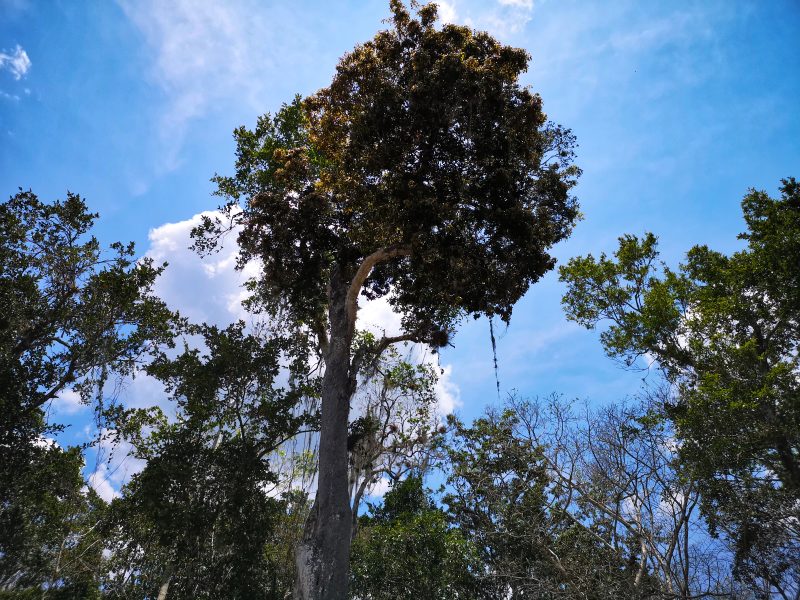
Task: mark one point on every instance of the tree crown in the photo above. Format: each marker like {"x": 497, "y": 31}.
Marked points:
{"x": 424, "y": 148}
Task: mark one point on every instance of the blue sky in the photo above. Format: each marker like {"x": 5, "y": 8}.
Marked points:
{"x": 678, "y": 108}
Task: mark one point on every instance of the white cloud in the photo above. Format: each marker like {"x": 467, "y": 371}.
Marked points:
{"x": 503, "y": 18}
{"x": 210, "y": 290}
{"x": 200, "y": 54}
{"x": 45, "y": 442}
{"x": 211, "y": 56}
{"x": 204, "y": 289}
{"x": 447, "y": 393}
{"x": 378, "y": 317}
{"x": 68, "y": 402}
{"x": 100, "y": 483}
{"x": 379, "y": 488}
{"x": 447, "y": 11}
{"x": 15, "y": 61}
{"x": 526, "y": 4}
{"x": 114, "y": 465}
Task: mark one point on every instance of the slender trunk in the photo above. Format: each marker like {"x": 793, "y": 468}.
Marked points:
{"x": 323, "y": 555}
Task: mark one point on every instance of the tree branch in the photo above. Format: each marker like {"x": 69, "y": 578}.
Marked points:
{"x": 363, "y": 272}
{"x": 383, "y": 344}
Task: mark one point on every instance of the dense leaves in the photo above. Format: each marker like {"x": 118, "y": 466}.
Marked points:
{"x": 70, "y": 314}
{"x": 405, "y": 549}
{"x": 199, "y": 520}
{"x": 424, "y": 143}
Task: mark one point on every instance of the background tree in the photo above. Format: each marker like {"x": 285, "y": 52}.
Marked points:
{"x": 620, "y": 481}
{"x": 397, "y": 431}
{"x": 564, "y": 503}
{"x": 405, "y": 549}
{"x": 724, "y": 331}
{"x": 52, "y": 541}
{"x": 198, "y": 521}
{"x": 424, "y": 172}
{"x": 498, "y": 501}
{"x": 70, "y": 314}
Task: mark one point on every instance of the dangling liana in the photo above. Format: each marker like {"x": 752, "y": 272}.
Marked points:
{"x": 494, "y": 355}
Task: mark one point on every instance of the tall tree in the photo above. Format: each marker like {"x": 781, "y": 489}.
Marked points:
{"x": 724, "y": 330}
{"x": 424, "y": 172}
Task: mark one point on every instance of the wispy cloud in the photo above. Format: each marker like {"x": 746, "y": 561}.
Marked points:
{"x": 200, "y": 54}
{"x": 212, "y": 58}
{"x": 502, "y": 18}
{"x": 209, "y": 56}
{"x": 15, "y": 61}
{"x": 527, "y": 4}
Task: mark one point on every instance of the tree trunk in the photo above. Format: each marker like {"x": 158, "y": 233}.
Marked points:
{"x": 323, "y": 556}
{"x": 162, "y": 591}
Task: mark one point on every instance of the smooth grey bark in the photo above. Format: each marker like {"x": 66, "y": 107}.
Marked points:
{"x": 323, "y": 556}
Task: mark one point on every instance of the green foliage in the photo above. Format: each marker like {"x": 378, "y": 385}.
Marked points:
{"x": 424, "y": 143}
{"x": 498, "y": 500}
{"x": 69, "y": 315}
{"x": 406, "y": 550}
{"x": 532, "y": 541}
{"x": 725, "y": 331}
{"x": 198, "y": 516}
{"x": 69, "y": 311}
{"x": 48, "y": 527}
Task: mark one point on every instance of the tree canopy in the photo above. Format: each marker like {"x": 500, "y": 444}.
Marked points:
{"x": 70, "y": 314}
{"x": 425, "y": 147}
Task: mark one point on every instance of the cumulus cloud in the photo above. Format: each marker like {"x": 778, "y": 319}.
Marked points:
{"x": 68, "y": 402}
{"x": 45, "y": 442}
{"x": 100, "y": 483}
{"x": 204, "y": 289}
{"x": 209, "y": 289}
{"x": 15, "y": 61}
